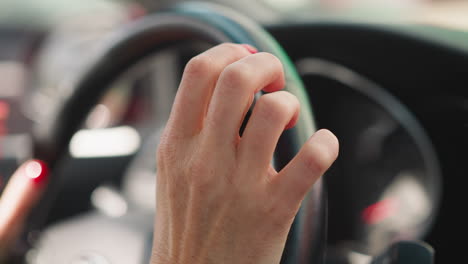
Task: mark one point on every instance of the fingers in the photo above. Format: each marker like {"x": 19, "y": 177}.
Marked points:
{"x": 20, "y": 195}
{"x": 198, "y": 81}
{"x": 271, "y": 115}
{"x": 234, "y": 93}
{"x": 314, "y": 158}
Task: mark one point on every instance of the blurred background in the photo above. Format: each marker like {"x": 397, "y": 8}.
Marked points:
{"x": 449, "y": 13}
{"x": 46, "y": 44}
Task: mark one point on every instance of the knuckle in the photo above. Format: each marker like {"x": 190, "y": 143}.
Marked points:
{"x": 277, "y": 107}
{"x": 198, "y": 66}
{"x": 232, "y": 48}
{"x": 318, "y": 158}
{"x": 272, "y": 60}
{"x": 286, "y": 101}
{"x": 237, "y": 76}
{"x": 274, "y": 65}
{"x": 204, "y": 63}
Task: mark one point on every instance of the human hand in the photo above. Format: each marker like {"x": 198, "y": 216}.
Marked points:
{"x": 24, "y": 189}
{"x": 219, "y": 200}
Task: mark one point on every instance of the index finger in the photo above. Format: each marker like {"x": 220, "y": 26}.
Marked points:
{"x": 197, "y": 85}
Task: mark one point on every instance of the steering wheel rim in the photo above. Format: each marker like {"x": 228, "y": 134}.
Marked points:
{"x": 193, "y": 21}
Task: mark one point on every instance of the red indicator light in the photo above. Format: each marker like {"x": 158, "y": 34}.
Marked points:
{"x": 36, "y": 170}
{"x": 379, "y": 211}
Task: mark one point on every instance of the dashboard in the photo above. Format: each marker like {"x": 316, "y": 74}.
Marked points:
{"x": 395, "y": 96}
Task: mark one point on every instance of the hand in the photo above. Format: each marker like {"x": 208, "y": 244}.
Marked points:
{"x": 20, "y": 195}
{"x": 218, "y": 198}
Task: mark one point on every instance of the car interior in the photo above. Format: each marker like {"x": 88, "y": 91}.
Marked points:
{"x": 88, "y": 86}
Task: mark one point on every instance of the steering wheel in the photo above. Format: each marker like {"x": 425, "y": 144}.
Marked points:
{"x": 188, "y": 22}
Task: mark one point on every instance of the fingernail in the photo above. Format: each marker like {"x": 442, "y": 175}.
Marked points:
{"x": 250, "y": 48}
{"x": 289, "y": 125}
{"x": 36, "y": 170}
